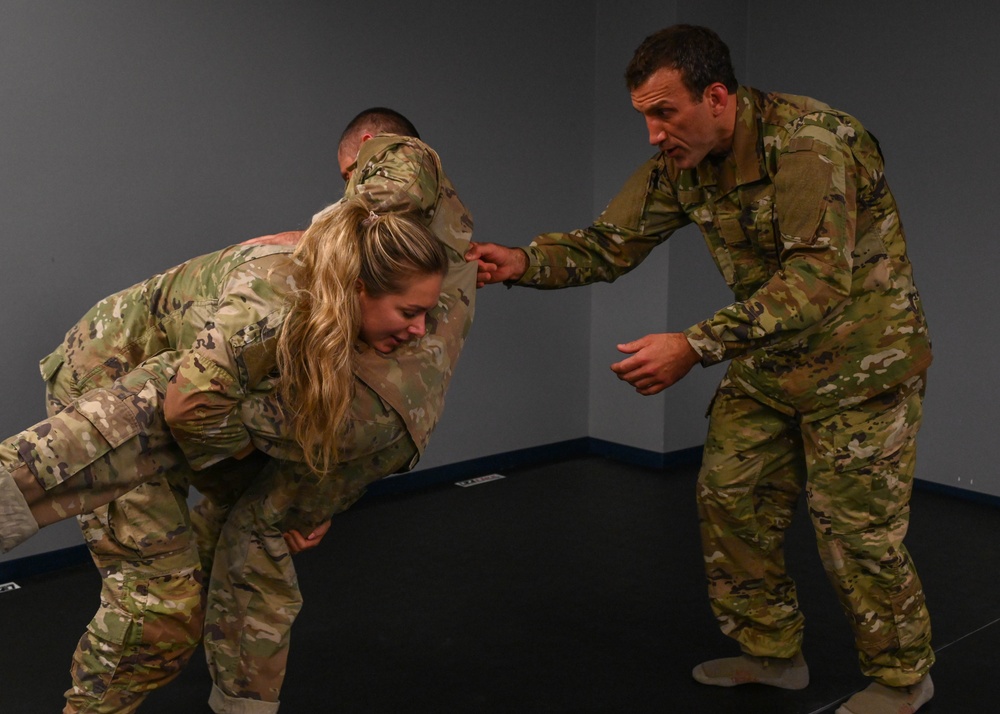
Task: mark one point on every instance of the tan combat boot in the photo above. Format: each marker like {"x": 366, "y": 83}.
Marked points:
{"x": 880, "y": 699}
{"x": 746, "y": 669}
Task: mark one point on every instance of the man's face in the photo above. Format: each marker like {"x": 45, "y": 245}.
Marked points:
{"x": 387, "y": 321}
{"x": 685, "y": 130}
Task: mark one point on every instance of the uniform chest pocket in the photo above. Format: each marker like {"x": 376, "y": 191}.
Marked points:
{"x": 253, "y": 348}
{"x": 757, "y": 219}
{"x": 746, "y": 225}
{"x": 696, "y": 205}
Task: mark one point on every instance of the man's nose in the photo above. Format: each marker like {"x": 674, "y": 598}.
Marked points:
{"x": 657, "y": 134}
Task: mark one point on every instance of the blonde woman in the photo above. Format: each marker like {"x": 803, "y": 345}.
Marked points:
{"x": 151, "y": 383}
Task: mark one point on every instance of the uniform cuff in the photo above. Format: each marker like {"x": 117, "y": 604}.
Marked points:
{"x": 222, "y": 703}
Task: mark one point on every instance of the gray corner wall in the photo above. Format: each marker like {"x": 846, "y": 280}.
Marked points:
{"x": 135, "y": 134}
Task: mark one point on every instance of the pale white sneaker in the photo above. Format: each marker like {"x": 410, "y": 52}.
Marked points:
{"x": 746, "y": 669}
{"x": 880, "y": 699}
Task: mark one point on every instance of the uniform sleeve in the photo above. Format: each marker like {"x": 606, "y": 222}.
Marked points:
{"x": 815, "y": 203}
{"x": 397, "y": 174}
{"x": 403, "y": 173}
{"x": 643, "y": 214}
{"x": 231, "y": 355}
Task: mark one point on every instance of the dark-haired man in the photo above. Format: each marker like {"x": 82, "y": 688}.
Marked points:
{"x": 827, "y": 344}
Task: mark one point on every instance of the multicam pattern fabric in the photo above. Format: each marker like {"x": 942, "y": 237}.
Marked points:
{"x": 801, "y": 223}
{"x": 857, "y": 471}
{"x": 399, "y": 172}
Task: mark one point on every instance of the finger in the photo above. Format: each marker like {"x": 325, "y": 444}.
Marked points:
{"x": 652, "y": 389}
{"x": 626, "y": 366}
{"x": 632, "y": 347}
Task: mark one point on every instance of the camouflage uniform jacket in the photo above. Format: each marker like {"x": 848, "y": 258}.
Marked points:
{"x": 208, "y": 328}
{"x": 204, "y": 328}
{"x": 398, "y": 173}
{"x": 801, "y": 223}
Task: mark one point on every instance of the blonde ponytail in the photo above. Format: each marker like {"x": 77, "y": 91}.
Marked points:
{"x": 346, "y": 243}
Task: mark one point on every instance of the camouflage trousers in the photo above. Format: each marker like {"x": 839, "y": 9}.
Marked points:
{"x": 857, "y": 470}
{"x": 150, "y": 617}
{"x": 253, "y": 596}
{"x": 149, "y": 621}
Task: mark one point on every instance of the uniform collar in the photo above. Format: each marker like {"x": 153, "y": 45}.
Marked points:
{"x": 744, "y": 162}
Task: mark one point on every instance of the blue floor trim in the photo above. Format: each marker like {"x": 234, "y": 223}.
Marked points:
{"x": 956, "y": 492}
{"x": 641, "y": 457}
{"x": 450, "y": 473}
{"x": 537, "y": 455}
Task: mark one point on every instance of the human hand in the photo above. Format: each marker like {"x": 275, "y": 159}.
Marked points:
{"x": 497, "y": 263}
{"x": 286, "y": 238}
{"x": 657, "y": 361}
{"x": 297, "y": 542}
{"x": 244, "y": 452}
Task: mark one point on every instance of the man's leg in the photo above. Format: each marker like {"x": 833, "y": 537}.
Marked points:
{"x": 750, "y": 480}
{"x": 103, "y": 445}
{"x": 151, "y": 613}
{"x": 253, "y": 599}
{"x": 861, "y": 465}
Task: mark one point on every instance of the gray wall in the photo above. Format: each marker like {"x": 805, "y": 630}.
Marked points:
{"x": 135, "y": 134}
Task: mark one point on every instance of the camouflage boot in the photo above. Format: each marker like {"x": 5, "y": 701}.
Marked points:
{"x": 746, "y": 669}
{"x": 16, "y": 522}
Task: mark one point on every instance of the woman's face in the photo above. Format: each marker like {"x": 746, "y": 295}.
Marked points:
{"x": 387, "y": 321}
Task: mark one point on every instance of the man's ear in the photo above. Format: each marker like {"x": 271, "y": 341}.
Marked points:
{"x": 717, "y": 97}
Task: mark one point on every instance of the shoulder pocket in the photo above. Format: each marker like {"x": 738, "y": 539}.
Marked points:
{"x": 50, "y": 365}
{"x": 804, "y": 188}
{"x": 628, "y": 208}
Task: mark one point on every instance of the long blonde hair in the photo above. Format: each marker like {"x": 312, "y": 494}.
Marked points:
{"x": 346, "y": 243}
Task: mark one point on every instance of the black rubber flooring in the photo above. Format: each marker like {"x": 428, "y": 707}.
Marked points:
{"x": 569, "y": 588}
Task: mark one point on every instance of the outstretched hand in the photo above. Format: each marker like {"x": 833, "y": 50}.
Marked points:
{"x": 497, "y": 263}
{"x": 297, "y": 542}
{"x": 657, "y": 361}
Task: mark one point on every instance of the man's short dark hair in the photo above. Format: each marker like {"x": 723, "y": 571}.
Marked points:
{"x": 380, "y": 120}
{"x": 697, "y": 52}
